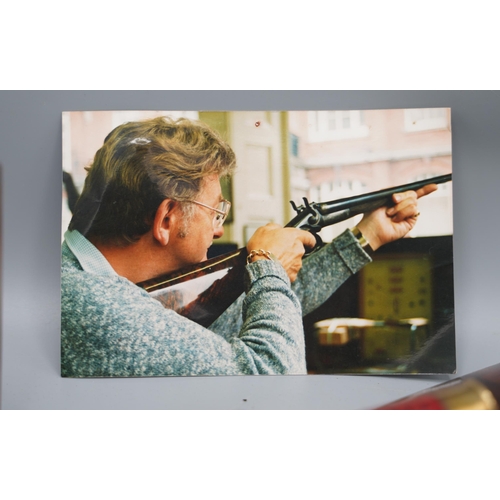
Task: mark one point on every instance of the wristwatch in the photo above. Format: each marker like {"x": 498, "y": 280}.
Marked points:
{"x": 365, "y": 244}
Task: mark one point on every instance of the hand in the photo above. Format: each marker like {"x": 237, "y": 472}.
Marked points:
{"x": 389, "y": 224}
{"x": 287, "y": 244}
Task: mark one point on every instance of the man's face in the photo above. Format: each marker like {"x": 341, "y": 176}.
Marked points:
{"x": 191, "y": 240}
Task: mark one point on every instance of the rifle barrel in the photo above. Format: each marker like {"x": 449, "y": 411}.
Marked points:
{"x": 375, "y": 196}
{"x": 314, "y": 216}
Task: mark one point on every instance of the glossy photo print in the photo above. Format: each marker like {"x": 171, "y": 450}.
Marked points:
{"x": 257, "y": 243}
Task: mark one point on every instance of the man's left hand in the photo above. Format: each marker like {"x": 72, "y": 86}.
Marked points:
{"x": 389, "y": 224}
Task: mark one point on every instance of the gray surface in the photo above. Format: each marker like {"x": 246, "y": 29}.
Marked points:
{"x": 30, "y": 155}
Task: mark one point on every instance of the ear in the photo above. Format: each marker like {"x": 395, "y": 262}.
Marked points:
{"x": 163, "y": 222}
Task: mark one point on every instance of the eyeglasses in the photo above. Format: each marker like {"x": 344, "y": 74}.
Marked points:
{"x": 222, "y": 211}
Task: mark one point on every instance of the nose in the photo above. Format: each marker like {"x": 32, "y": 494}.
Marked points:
{"x": 218, "y": 232}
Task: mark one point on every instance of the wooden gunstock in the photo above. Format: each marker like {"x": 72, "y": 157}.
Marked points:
{"x": 202, "y": 292}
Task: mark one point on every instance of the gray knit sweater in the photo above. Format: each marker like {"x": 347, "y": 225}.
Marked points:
{"x": 112, "y": 328}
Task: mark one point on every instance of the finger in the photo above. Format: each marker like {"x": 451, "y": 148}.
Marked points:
{"x": 307, "y": 239}
{"x": 399, "y": 197}
{"x": 430, "y": 188}
{"x": 403, "y": 201}
{"x": 405, "y": 213}
{"x": 405, "y": 209}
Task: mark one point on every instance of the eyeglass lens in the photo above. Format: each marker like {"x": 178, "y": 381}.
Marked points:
{"x": 219, "y": 218}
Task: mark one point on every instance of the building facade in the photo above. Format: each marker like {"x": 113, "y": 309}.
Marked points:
{"x": 336, "y": 154}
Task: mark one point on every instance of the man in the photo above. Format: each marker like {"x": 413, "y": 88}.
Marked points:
{"x": 152, "y": 204}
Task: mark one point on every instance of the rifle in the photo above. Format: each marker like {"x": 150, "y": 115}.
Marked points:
{"x": 202, "y": 292}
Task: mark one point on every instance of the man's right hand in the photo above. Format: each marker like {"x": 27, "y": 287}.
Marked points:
{"x": 287, "y": 244}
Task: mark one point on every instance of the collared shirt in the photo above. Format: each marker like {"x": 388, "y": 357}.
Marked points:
{"x": 87, "y": 254}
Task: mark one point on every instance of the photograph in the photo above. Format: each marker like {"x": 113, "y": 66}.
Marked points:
{"x": 288, "y": 242}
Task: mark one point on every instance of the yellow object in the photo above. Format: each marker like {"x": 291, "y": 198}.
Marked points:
{"x": 395, "y": 287}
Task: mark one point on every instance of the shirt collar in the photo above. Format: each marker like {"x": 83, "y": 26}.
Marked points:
{"x": 87, "y": 254}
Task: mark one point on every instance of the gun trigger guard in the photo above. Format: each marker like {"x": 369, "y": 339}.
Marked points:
{"x": 315, "y": 248}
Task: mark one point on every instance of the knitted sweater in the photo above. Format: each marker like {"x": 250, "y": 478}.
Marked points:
{"x": 112, "y": 328}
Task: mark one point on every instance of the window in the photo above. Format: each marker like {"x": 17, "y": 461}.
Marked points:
{"x": 336, "y": 125}
{"x": 294, "y": 145}
{"x": 340, "y": 188}
{"x": 442, "y": 190}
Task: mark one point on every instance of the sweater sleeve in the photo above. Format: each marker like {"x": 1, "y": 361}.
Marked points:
{"x": 111, "y": 328}
{"x": 321, "y": 275}
{"x": 325, "y": 270}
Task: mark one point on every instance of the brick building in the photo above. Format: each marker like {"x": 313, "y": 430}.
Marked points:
{"x": 335, "y": 154}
